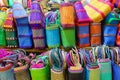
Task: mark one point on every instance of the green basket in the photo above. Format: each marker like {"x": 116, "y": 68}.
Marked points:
{"x": 68, "y": 37}
{"x": 40, "y": 73}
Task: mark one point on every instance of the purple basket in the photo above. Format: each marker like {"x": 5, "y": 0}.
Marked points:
{"x": 81, "y": 13}
{"x": 37, "y": 18}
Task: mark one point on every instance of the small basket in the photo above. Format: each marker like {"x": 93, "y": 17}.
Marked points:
{"x": 68, "y": 37}
{"x": 22, "y": 73}
{"x": 83, "y": 34}
{"x": 95, "y": 32}
{"x": 67, "y": 15}
{"x": 81, "y": 13}
{"x": 25, "y": 41}
{"x": 109, "y": 34}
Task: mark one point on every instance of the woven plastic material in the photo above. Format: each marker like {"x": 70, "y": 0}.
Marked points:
{"x": 53, "y": 36}
{"x": 40, "y": 73}
{"x": 112, "y": 18}
{"x": 39, "y": 38}
{"x": 3, "y": 16}
{"x": 22, "y": 73}
{"x": 81, "y": 13}
{"x": 99, "y": 8}
{"x": 118, "y": 36}
{"x": 37, "y": 18}
{"x": 2, "y": 37}
{"x": 105, "y": 71}
{"x": 92, "y": 74}
{"x": 109, "y": 33}
{"x": 68, "y": 37}
{"x": 95, "y": 32}
{"x": 67, "y": 15}
{"x": 83, "y": 34}
{"x": 57, "y": 75}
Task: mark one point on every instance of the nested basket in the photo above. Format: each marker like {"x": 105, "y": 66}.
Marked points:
{"x": 95, "y": 32}
{"x": 109, "y": 34}
{"x": 7, "y": 72}
{"x": 67, "y": 15}
{"x": 83, "y": 36}
{"x": 68, "y": 37}
{"x": 39, "y": 38}
{"x": 81, "y": 13}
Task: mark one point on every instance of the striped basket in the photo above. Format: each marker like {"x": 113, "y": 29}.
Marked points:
{"x": 95, "y": 32}
{"x": 83, "y": 34}
{"x": 109, "y": 34}
{"x": 39, "y": 38}
{"x": 81, "y": 13}
{"x": 67, "y": 15}
{"x": 100, "y": 9}
{"x": 37, "y": 18}
{"x": 68, "y": 37}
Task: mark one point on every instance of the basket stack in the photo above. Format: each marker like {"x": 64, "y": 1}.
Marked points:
{"x": 37, "y": 22}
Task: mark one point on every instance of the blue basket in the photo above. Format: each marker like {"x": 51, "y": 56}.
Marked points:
{"x": 109, "y": 34}
{"x": 83, "y": 35}
{"x": 53, "y": 36}
{"x": 25, "y": 41}
{"x": 112, "y": 18}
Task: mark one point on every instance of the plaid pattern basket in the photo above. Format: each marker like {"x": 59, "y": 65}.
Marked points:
{"x": 95, "y": 32}
{"x": 83, "y": 34}
{"x": 10, "y": 31}
{"x": 39, "y": 38}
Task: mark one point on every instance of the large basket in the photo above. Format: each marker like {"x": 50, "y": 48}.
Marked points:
{"x": 53, "y": 35}
{"x": 95, "y": 32}
{"x": 83, "y": 35}
{"x": 67, "y": 15}
{"x": 99, "y": 8}
{"x": 7, "y": 72}
{"x": 25, "y": 41}
{"x": 22, "y": 73}
{"x": 81, "y": 13}
{"x": 109, "y": 34}
{"x": 40, "y": 73}
{"x": 68, "y": 37}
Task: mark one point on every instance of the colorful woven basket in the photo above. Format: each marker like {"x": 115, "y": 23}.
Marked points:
{"x": 83, "y": 34}
{"x": 67, "y": 15}
{"x": 112, "y": 18}
{"x": 3, "y": 16}
{"x": 68, "y": 37}
{"x": 38, "y": 35}
{"x": 95, "y": 32}
{"x": 37, "y": 18}
{"x": 81, "y": 13}
{"x": 109, "y": 34}
{"x": 99, "y": 8}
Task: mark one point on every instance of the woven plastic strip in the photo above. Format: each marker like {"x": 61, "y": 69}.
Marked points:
{"x": 67, "y": 15}
{"x": 83, "y": 34}
{"x": 81, "y": 13}
{"x": 95, "y": 32}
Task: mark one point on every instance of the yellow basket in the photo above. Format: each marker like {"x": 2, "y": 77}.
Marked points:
{"x": 99, "y": 9}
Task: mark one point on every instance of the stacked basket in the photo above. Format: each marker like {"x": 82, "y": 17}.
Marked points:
{"x": 23, "y": 27}
{"x": 37, "y": 22}
{"x": 10, "y": 32}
